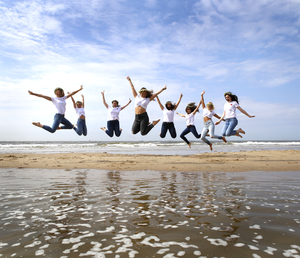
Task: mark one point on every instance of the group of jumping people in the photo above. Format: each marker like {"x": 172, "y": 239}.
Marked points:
{"x": 141, "y": 122}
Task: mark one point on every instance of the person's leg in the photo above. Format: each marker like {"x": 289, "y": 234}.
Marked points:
{"x": 66, "y": 124}
{"x": 172, "y": 130}
{"x": 194, "y": 132}
{"x": 117, "y": 128}
{"x": 164, "y": 128}
{"x": 232, "y": 124}
{"x": 57, "y": 120}
{"x": 110, "y": 128}
{"x": 213, "y": 135}
{"x": 204, "y": 133}
{"x": 145, "y": 126}
{"x": 79, "y": 128}
{"x": 136, "y": 124}
{"x": 84, "y": 128}
{"x": 225, "y": 127}
{"x": 185, "y": 132}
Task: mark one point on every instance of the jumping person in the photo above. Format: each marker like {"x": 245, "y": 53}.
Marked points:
{"x": 230, "y": 115}
{"x": 113, "y": 124}
{"x": 141, "y": 122}
{"x": 191, "y": 110}
{"x": 81, "y": 125}
{"x": 208, "y": 113}
{"x": 60, "y": 103}
{"x": 168, "y": 120}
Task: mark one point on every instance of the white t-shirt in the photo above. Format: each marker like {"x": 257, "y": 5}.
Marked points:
{"x": 141, "y": 102}
{"x": 168, "y": 115}
{"x": 208, "y": 113}
{"x": 80, "y": 111}
{"x": 113, "y": 113}
{"x": 60, "y": 104}
{"x": 189, "y": 119}
{"x": 230, "y": 109}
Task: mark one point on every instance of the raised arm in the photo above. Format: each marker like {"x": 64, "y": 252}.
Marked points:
{"x": 159, "y": 103}
{"x": 194, "y": 112}
{"x": 40, "y": 95}
{"x": 156, "y": 93}
{"x": 180, "y": 114}
{"x": 244, "y": 112}
{"x": 103, "y": 98}
{"x": 177, "y": 104}
{"x": 82, "y": 100}
{"x": 202, "y": 99}
{"x": 132, "y": 87}
{"x": 74, "y": 92}
{"x": 221, "y": 118}
{"x": 126, "y": 104}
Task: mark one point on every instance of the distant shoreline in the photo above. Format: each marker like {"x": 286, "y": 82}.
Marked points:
{"x": 265, "y": 160}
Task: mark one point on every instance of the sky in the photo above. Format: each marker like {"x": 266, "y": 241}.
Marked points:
{"x": 248, "y": 47}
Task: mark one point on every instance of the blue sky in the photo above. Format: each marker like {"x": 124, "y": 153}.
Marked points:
{"x": 248, "y": 47}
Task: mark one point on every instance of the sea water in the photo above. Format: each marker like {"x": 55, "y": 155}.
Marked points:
{"x": 102, "y": 213}
{"x": 156, "y": 148}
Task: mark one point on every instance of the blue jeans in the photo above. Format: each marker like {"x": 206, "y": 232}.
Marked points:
{"x": 113, "y": 126}
{"x": 192, "y": 129}
{"x": 141, "y": 123}
{"x": 81, "y": 127}
{"x": 229, "y": 126}
{"x": 58, "y": 119}
{"x": 209, "y": 125}
{"x": 168, "y": 126}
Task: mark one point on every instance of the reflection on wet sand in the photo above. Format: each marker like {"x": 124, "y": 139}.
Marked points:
{"x": 92, "y": 213}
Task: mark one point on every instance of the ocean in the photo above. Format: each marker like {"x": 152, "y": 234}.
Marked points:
{"x": 147, "y": 147}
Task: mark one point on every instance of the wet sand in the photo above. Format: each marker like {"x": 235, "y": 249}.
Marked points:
{"x": 271, "y": 160}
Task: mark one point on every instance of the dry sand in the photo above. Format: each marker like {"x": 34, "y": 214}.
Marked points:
{"x": 272, "y": 160}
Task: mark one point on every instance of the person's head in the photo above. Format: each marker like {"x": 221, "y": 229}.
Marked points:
{"x": 115, "y": 103}
{"x": 230, "y": 97}
{"x": 59, "y": 92}
{"x": 190, "y": 108}
{"x": 145, "y": 93}
{"x": 78, "y": 104}
{"x": 210, "y": 106}
{"x": 169, "y": 105}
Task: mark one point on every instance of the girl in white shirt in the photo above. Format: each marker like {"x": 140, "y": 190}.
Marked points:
{"x": 59, "y": 102}
{"x": 113, "y": 125}
{"x": 208, "y": 113}
{"x": 141, "y": 122}
{"x": 191, "y": 110}
{"x": 230, "y": 115}
{"x": 168, "y": 120}
{"x": 81, "y": 128}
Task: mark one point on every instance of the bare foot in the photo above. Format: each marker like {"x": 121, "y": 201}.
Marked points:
{"x": 208, "y": 135}
{"x": 58, "y": 128}
{"x": 103, "y": 128}
{"x": 190, "y": 145}
{"x": 38, "y": 124}
{"x": 121, "y": 130}
{"x": 155, "y": 122}
{"x": 210, "y": 146}
{"x": 224, "y": 139}
{"x": 237, "y": 134}
{"x": 241, "y": 131}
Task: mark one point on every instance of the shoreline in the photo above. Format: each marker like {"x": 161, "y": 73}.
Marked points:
{"x": 265, "y": 160}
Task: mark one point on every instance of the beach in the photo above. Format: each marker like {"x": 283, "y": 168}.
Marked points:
{"x": 265, "y": 160}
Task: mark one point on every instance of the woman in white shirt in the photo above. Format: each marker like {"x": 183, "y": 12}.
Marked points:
{"x": 230, "y": 115}
{"x": 81, "y": 128}
{"x": 191, "y": 110}
{"x": 141, "y": 122}
{"x": 208, "y": 113}
{"x": 59, "y": 102}
{"x": 113, "y": 124}
{"x": 168, "y": 120}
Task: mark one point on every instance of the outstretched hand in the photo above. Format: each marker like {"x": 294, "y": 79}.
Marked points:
{"x": 102, "y": 92}
{"x": 129, "y": 100}
{"x": 81, "y": 87}
{"x": 164, "y": 88}
{"x": 128, "y": 78}
{"x": 251, "y": 116}
{"x": 30, "y": 92}
{"x": 217, "y": 122}
{"x": 202, "y": 93}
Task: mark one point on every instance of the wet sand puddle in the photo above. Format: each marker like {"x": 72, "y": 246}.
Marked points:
{"x": 93, "y": 213}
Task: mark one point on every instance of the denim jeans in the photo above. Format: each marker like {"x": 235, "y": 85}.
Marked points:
{"x": 81, "y": 127}
{"x": 209, "y": 125}
{"x": 229, "y": 126}
{"x": 113, "y": 126}
{"x": 168, "y": 126}
{"x": 192, "y": 129}
{"x": 141, "y": 123}
{"x": 58, "y": 119}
